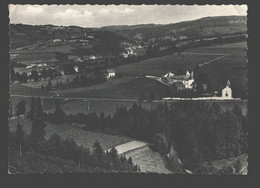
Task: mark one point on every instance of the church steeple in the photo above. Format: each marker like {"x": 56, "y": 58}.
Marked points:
{"x": 228, "y": 83}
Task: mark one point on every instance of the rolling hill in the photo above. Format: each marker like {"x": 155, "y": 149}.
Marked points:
{"x": 201, "y": 28}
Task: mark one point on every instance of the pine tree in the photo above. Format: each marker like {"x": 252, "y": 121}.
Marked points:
{"x": 32, "y": 112}
{"x": 142, "y": 97}
{"x": 10, "y": 110}
{"x": 20, "y": 138}
{"x": 99, "y": 153}
{"x": 39, "y": 115}
{"x": 59, "y": 116}
{"x": 20, "y": 108}
{"x": 37, "y": 135}
{"x": 49, "y": 86}
{"x": 151, "y": 97}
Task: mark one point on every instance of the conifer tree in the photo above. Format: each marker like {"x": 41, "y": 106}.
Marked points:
{"x": 39, "y": 115}
{"x": 59, "y": 116}
{"x": 37, "y": 135}
{"x": 20, "y": 138}
{"x": 20, "y": 108}
{"x": 32, "y": 112}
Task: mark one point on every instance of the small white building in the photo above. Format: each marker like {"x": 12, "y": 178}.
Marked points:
{"x": 56, "y": 40}
{"x": 110, "y": 73}
{"x": 227, "y": 91}
{"x": 76, "y": 68}
{"x": 92, "y": 57}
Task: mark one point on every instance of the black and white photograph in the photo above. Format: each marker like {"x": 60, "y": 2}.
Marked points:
{"x": 154, "y": 89}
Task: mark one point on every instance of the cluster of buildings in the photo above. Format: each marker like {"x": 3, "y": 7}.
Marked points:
{"x": 186, "y": 82}
{"x": 180, "y": 81}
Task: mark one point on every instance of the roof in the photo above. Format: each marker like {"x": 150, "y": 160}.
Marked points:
{"x": 169, "y": 74}
{"x": 179, "y": 85}
{"x": 179, "y": 77}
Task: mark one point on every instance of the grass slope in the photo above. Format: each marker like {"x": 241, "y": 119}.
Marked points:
{"x": 129, "y": 90}
{"x": 81, "y": 137}
{"x": 33, "y": 163}
{"x": 162, "y": 65}
{"x": 148, "y": 160}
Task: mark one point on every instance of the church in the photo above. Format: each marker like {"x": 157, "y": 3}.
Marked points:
{"x": 227, "y": 91}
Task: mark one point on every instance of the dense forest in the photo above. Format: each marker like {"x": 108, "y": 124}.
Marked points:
{"x": 198, "y": 131}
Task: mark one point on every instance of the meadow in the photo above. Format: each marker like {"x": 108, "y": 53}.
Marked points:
{"x": 148, "y": 160}
{"x": 127, "y": 90}
{"x": 161, "y": 65}
{"x": 232, "y": 67}
{"x": 81, "y": 137}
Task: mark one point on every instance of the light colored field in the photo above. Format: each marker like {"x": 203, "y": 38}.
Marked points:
{"x": 81, "y": 137}
{"x": 62, "y": 48}
{"x": 43, "y": 81}
{"x": 129, "y": 146}
{"x": 218, "y": 164}
{"x": 148, "y": 160}
{"x": 19, "y": 89}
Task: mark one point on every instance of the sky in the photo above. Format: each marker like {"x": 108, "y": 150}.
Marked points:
{"x": 105, "y": 15}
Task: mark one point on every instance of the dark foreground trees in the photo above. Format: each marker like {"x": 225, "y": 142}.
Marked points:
{"x": 20, "y": 108}
{"x": 199, "y": 131}
{"x": 89, "y": 161}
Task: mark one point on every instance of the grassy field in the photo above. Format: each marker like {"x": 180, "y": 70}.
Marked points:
{"x": 218, "y": 164}
{"x": 237, "y": 49}
{"x": 81, "y": 137}
{"x": 38, "y": 84}
{"x": 148, "y": 160}
{"x": 33, "y": 163}
{"x": 162, "y": 65}
{"x": 108, "y": 84}
{"x": 232, "y": 67}
{"x": 128, "y": 90}
{"x": 23, "y": 56}
{"x": 19, "y": 89}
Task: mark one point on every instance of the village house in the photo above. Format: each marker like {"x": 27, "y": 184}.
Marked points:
{"x": 110, "y": 73}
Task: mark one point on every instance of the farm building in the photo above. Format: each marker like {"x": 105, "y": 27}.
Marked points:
{"x": 110, "y": 73}
{"x": 186, "y": 80}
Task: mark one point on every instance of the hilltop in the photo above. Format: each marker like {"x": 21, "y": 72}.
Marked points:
{"x": 204, "y": 27}
{"x": 22, "y": 35}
